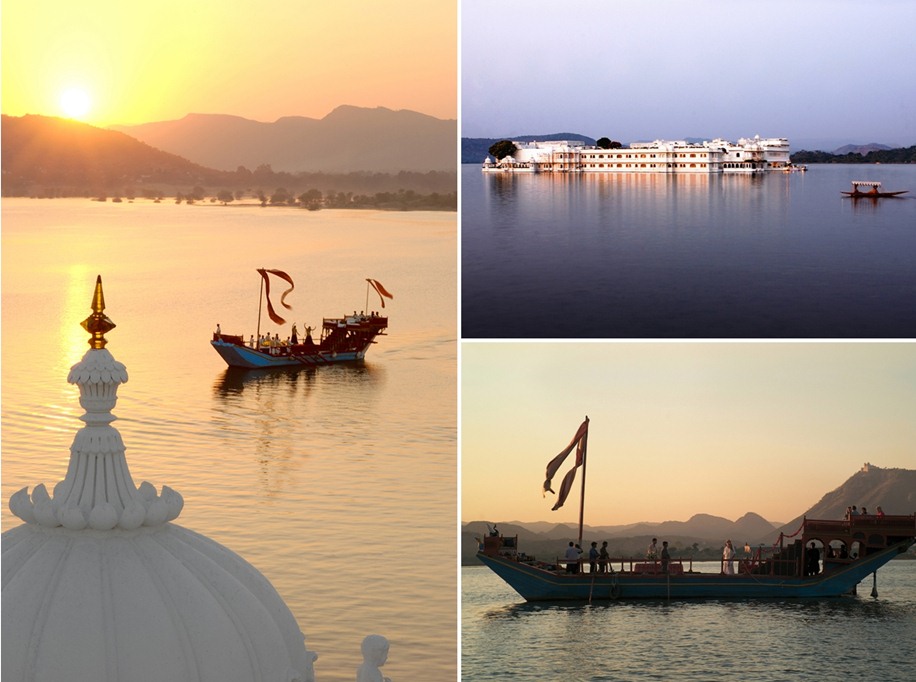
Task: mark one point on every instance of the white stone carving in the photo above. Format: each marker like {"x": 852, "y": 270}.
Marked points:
{"x": 99, "y": 584}
{"x": 375, "y": 653}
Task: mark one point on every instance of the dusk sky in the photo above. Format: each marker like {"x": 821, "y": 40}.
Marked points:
{"x": 129, "y": 63}
{"x": 838, "y": 71}
{"x": 680, "y": 428}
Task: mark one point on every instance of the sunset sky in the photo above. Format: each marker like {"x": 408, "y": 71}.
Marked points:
{"x": 680, "y": 428}
{"x": 836, "y": 71}
{"x": 129, "y": 63}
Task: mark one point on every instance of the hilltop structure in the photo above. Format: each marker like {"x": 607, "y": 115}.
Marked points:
{"x": 100, "y": 584}
{"x": 748, "y": 155}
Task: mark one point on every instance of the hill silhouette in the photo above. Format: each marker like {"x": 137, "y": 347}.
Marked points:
{"x": 347, "y": 139}
{"x": 61, "y": 153}
{"x": 893, "y": 489}
{"x": 702, "y": 535}
{"x": 44, "y": 156}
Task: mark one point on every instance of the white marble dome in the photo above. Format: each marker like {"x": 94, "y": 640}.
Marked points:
{"x": 99, "y": 584}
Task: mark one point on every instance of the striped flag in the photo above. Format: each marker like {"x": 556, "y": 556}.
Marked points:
{"x": 270, "y": 309}
{"x": 577, "y": 442}
{"x": 380, "y": 290}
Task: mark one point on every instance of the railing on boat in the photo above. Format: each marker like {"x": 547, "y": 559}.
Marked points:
{"x": 842, "y": 542}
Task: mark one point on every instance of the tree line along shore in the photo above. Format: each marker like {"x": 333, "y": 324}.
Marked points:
{"x": 900, "y": 155}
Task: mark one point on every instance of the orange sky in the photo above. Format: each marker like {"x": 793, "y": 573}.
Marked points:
{"x": 141, "y": 62}
{"x": 679, "y": 428}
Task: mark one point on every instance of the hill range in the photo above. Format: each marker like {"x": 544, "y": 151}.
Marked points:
{"x": 53, "y": 157}
{"x": 703, "y": 534}
{"x": 348, "y": 139}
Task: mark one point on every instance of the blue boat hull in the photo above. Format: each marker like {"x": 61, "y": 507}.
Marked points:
{"x": 249, "y": 358}
{"x": 537, "y": 584}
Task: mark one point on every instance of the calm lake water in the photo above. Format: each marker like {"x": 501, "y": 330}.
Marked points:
{"x": 652, "y": 256}
{"x": 339, "y": 483}
{"x": 505, "y": 638}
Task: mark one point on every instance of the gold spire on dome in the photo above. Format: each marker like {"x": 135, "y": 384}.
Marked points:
{"x": 98, "y": 323}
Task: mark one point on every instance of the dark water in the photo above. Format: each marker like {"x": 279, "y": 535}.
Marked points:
{"x": 850, "y": 638}
{"x": 651, "y": 256}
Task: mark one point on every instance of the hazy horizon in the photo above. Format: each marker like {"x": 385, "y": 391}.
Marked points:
{"x": 632, "y": 523}
{"x": 124, "y": 65}
{"x": 680, "y": 428}
{"x": 664, "y": 70}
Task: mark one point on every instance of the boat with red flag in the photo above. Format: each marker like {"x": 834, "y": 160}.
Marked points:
{"x": 341, "y": 339}
{"x": 823, "y": 558}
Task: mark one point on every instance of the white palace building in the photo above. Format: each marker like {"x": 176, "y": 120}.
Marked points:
{"x": 748, "y": 155}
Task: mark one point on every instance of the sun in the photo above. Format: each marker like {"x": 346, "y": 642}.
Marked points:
{"x": 75, "y": 103}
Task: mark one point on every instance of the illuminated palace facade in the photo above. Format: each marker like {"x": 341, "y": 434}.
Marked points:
{"x": 748, "y": 155}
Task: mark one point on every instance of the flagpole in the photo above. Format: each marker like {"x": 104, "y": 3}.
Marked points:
{"x": 260, "y": 305}
{"x": 582, "y": 496}
{"x": 367, "y": 295}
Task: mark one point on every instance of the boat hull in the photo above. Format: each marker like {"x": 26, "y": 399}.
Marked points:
{"x": 873, "y": 195}
{"x": 537, "y": 584}
{"x": 249, "y": 358}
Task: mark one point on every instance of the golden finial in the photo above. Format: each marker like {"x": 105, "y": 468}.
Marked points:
{"x": 98, "y": 323}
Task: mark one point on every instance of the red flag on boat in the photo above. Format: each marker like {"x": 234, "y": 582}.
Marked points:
{"x": 577, "y": 442}
{"x": 380, "y": 290}
{"x": 270, "y": 309}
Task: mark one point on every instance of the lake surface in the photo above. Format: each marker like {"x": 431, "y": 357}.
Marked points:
{"x": 653, "y": 256}
{"x": 338, "y": 483}
{"x": 856, "y": 637}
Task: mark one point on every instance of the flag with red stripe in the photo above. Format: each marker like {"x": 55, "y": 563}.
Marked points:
{"x": 578, "y": 442}
{"x": 270, "y": 309}
{"x": 380, "y": 290}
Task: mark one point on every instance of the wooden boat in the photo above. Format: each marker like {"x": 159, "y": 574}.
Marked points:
{"x": 342, "y": 339}
{"x": 849, "y": 550}
{"x": 857, "y": 548}
{"x": 874, "y": 193}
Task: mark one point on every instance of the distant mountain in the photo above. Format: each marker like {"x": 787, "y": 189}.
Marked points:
{"x": 893, "y": 489}
{"x": 56, "y": 152}
{"x": 44, "y": 156}
{"x": 862, "y": 149}
{"x": 347, "y": 139}
{"x": 476, "y": 149}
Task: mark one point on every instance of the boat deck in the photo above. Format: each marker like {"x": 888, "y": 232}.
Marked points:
{"x": 848, "y": 551}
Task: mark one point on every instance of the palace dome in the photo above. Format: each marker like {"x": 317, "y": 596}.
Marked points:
{"x": 99, "y": 583}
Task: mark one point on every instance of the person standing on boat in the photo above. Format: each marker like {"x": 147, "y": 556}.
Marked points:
{"x": 666, "y": 558}
{"x": 728, "y": 555}
{"x": 593, "y": 558}
{"x": 812, "y": 560}
{"x": 295, "y": 335}
{"x": 604, "y": 558}
{"x": 572, "y": 558}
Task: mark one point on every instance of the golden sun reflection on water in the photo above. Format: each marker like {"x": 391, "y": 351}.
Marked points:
{"x": 299, "y": 472}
